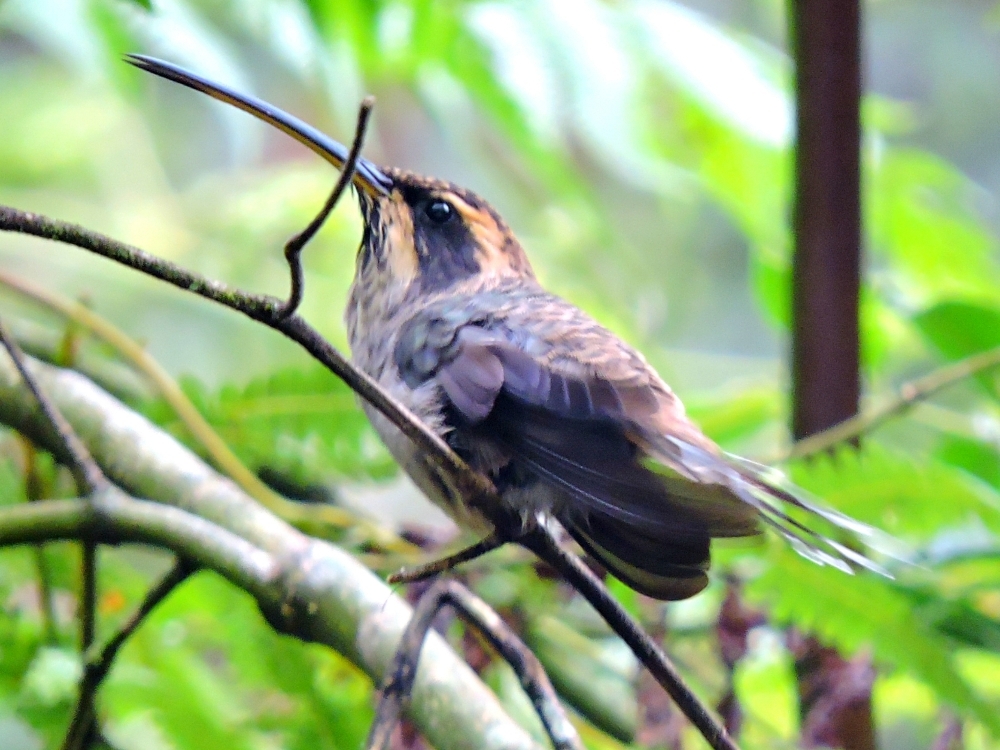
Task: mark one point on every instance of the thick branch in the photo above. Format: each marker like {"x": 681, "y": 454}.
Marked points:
{"x": 306, "y": 587}
{"x": 317, "y": 519}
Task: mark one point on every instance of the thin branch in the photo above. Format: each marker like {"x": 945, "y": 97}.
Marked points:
{"x": 34, "y": 489}
{"x": 113, "y": 517}
{"x": 436, "y": 567}
{"x": 512, "y": 649}
{"x": 88, "y": 595}
{"x": 316, "y": 519}
{"x": 541, "y": 541}
{"x": 83, "y": 723}
{"x": 89, "y": 478}
{"x": 909, "y": 394}
{"x": 293, "y": 249}
{"x": 87, "y": 473}
{"x": 306, "y": 587}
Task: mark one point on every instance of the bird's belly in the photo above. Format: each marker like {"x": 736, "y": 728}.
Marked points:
{"x": 526, "y": 495}
{"x": 413, "y": 460}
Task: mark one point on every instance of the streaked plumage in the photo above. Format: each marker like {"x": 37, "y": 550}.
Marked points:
{"x": 564, "y": 417}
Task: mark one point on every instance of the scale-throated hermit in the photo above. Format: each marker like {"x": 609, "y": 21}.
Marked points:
{"x": 563, "y": 416}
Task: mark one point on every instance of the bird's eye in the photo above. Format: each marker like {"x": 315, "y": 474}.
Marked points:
{"x": 439, "y": 211}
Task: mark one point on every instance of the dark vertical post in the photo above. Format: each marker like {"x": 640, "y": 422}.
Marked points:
{"x": 827, "y": 262}
{"x": 834, "y": 693}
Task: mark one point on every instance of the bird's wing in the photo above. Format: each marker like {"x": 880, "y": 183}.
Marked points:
{"x": 626, "y": 453}
{"x": 575, "y": 432}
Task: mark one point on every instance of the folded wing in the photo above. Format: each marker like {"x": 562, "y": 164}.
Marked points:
{"x": 643, "y": 499}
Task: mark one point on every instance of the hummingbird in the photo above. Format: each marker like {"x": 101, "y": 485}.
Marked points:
{"x": 566, "y": 419}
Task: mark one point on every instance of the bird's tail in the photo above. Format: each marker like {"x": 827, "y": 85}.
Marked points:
{"x": 666, "y": 566}
{"x": 779, "y": 504}
{"x": 663, "y": 570}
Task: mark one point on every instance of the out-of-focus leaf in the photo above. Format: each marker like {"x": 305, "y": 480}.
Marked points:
{"x": 853, "y": 612}
{"x": 207, "y": 669}
{"x": 52, "y": 140}
{"x": 594, "y": 683}
{"x": 898, "y": 494}
{"x": 922, "y": 216}
{"x": 713, "y": 66}
{"x": 302, "y": 422}
{"x": 765, "y": 685}
{"x": 958, "y": 329}
{"x": 957, "y": 619}
{"x": 52, "y": 677}
{"x": 736, "y": 416}
{"x": 973, "y": 456}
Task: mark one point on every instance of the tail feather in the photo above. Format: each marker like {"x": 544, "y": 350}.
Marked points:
{"x": 764, "y": 489}
{"x": 663, "y": 570}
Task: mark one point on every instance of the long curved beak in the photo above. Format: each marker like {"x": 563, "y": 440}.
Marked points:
{"x": 367, "y": 176}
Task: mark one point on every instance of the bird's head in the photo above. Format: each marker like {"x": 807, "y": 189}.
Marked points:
{"x": 436, "y": 234}
{"x": 420, "y": 233}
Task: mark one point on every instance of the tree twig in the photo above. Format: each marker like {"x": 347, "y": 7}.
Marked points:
{"x": 909, "y": 394}
{"x": 293, "y": 248}
{"x": 87, "y": 473}
{"x": 264, "y": 309}
{"x": 435, "y": 567}
{"x": 97, "y": 667}
{"x": 89, "y": 479}
{"x": 476, "y": 613}
{"x": 543, "y": 543}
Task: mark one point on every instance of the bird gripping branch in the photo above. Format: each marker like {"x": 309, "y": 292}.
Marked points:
{"x": 566, "y": 419}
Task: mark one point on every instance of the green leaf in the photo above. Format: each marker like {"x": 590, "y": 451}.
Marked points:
{"x": 958, "y": 329}
{"x": 898, "y": 493}
{"x": 974, "y": 456}
{"x": 588, "y": 676}
{"x": 300, "y": 422}
{"x": 855, "y": 612}
{"x": 736, "y": 416}
{"x": 53, "y": 677}
{"x": 922, "y": 218}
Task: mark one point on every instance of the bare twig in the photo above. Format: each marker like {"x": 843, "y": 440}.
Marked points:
{"x": 87, "y": 473}
{"x": 97, "y": 668}
{"x": 88, "y": 595}
{"x": 293, "y": 249}
{"x": 435, "y": 567}
{"x": 909, "y": 394}
{"x": 89, "y": 478}
{"x": 480, "y": 616}
{"x": 264, "y": 309}
{"x": 542, "y": 542}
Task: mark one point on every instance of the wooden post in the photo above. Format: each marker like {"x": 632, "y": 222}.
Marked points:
{"x": 834, "y": 693}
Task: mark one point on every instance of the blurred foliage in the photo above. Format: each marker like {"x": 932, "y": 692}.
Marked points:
{"x": 642, "y": 152}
